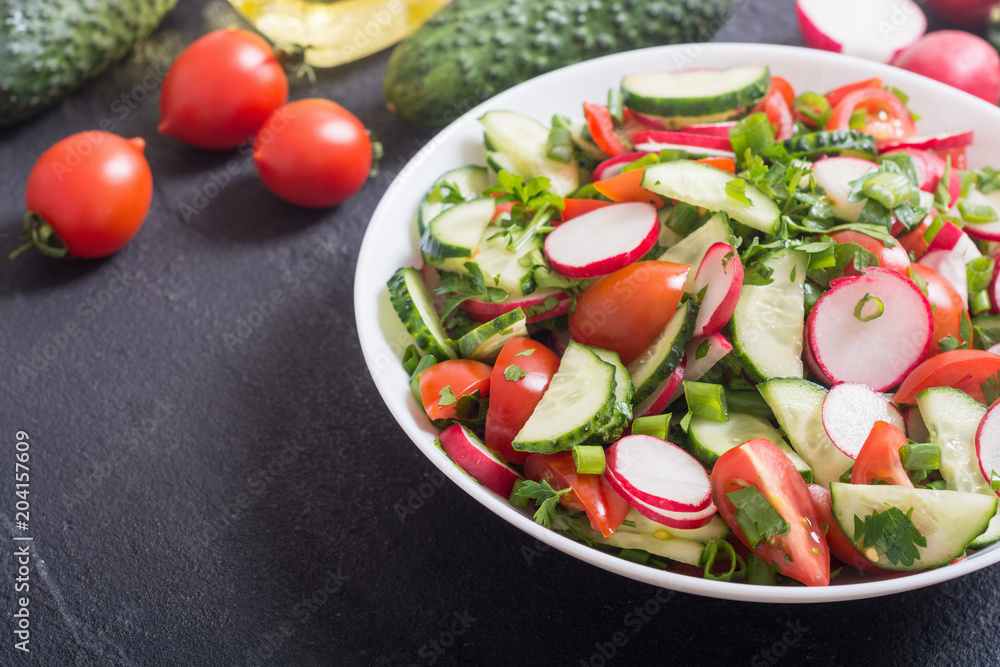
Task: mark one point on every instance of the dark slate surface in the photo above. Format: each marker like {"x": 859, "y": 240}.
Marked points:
{"x": 196, "y": 501}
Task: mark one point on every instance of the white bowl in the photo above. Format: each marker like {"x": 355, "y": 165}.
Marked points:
{"x": 391, "y": 242}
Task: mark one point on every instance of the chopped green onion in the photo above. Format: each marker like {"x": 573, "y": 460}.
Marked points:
{"x": 635, "y": 555}
{"x": 559, "y": 145}
{"x": 859, "y": 119}
{"x": 937, "y": 485}
{"x": 862, "y": 302}
{"x": 411, "y": 358}
{"x": 759, "y": 571}
{"x": 515, "y": 499}
{"x": 654, "y": 425}
{"x": 753, "y": 133}
{"x": 824, "y": 259}
{"x": 683, "y": 218}
{"x": 615, "y": 105}
{"x": 917, "y": 476}
{"x": 933, "y": 229}
{"x": 994, "y": 481}
{"x": 889, "y": 188}
{"x": 976, "y": 212}
{"x": 920, "y": 456}
{"x": 425, "y": 362}
{"x": 980, "y": 273}
{"x": 706, "y": 400}
{"x": 588, "y": 459}
{"x": 813, "y": 106}
{"x": 748, "y": 402}
{"x": 711, "y": 555}
{"x": 979, "y": 302}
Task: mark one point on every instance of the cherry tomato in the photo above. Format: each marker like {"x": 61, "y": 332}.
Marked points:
{"x": 779, "y": 111}
{"x": 625, "y": 310}
{"x": 221, "y": 89}
{"x": 947, "y": 307}
{"x": 878, "y": 460}
{"x": 591, "y": 493}
{"x": 892, "y": 256}
{"x": 602, "y": 129}
{"x": 887, "y": 118}
{"x": 837, "y": 94}
{"x": 961, "y": 369}
{"x": 513, "y": 401}
{"x": 802, "y": 552}
{"x": 913, "y": 241}
{"x": 92, "y": 190}
{"x": 840, "y": 544}
{"x": 313, "y": 153}
{"x": 577, "y": 207}
{"x": 461, "y": 376}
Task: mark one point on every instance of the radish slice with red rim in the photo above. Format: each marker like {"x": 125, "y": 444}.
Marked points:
{"x": 934, "y": 142}
{"x": 539, "y": 305}
{"x": 807, "y": 356}
{"x": 613, "y": 166}
{"x": 689, "y": 138}
{"x": 472, "y": 456}
{"x": 663, "y": 395}
{"x": 952, "y": 268}
{"x": 720, "y": 274}
{"x": 703, "y": 353}
{"x": 872, "y": 329}
{"x": 604, "y": 240}
{"x": 659, "y": 473}
{"x": 850, "y": 410}
{"x": 677, "y": 520}
{"x": 988, "y": 443}
{"x": 872, "y": 29}
{"x": 713, "y": 129}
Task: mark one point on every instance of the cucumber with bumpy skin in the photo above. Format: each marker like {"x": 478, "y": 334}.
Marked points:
{"x": 834, "y": 142}
{"x": 413, "y": 305}
{"x": 473, "y": 49}
{"x": 696, "y": 93}
{"x": 465, "y": 182}
{"x": 485, "y": 341}
{"x": 667, "y": 350}
{"x": 711, "y": 439}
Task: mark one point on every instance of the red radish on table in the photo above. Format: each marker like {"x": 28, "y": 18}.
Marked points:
{"x": 604, "y": 240}
{"x": 959, "y": 59}
{"x": 834, "y": 175}
{"x": 720, "y": 275}
{"x": 474, "y": 458}
{"x": 858, "y": 27}
{"x": 963, "y": 13}
{"x": 850, "y": 410}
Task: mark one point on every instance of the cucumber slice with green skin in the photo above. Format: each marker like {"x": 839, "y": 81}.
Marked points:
{"x": 833, "y": 142}
{"x": 704, "y": 186}
{"x": 468, "y": 182}
{"x": 485, "y": 341}
{"x": 711, "y": 439}
{"x": 414, "y": 305}
{"x": 456, "y": 231}
{"x": 798, "y": 406}
{"x": 580, "y": 398}
{"x": 696, "y": 93}
{"x": 691, "y": 249}
{"x": 769, "y": 320}
{"x": 621, "y": 416}
{"x": 949, "y": 520}
{"x": 664, "y": 354}
{"x": 502, "y": 264}
{"x": 522, "y": 143}
{"x": 952, "y": 418}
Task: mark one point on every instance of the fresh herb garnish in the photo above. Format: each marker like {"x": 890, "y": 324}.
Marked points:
{"x": 758, "y": 519}
{"x": 446, "y": 396}
{"x": 456, "y": 288}
{"x": 890, "y": 533}
{"x": 545, "y": 498}
{"x": 514, "y": 373}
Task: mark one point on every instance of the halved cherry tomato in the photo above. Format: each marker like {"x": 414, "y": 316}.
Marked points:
{"x": 513, "y": 401}
{"x": 889, "y": 257}
{"x": 602, "y": 129}
{"x": 501, "y": 209}
{"x": 947, "y": 307}
{"x": 577, "y": 207}
{"x": 802, "y": 552}
{"x": 840, "y": 544}
{"x": 591, "y": 493}
{"x": 783, "y": 86}
{"x": 624, "y": 311}
{"x": 961, "y": 369}
{"x": 461, "y": 376}
{"x": 627, "y": 186}
{"x": 779, "y": 112}
{"x": 723, "y": 163}
{"x": 887, "y": 118}
{"x": 878, "y": 460}
{"x": 837, "y": 94}
{"x": 957, "y": 155}
{"x": 913, "y": 241}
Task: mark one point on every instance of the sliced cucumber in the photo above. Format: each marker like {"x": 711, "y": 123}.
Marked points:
{"x": 522, "y": 142}
{"x": 667, "y": 350}
{"x": 798, "y": 406}
{"x": 456, "y": 231}
{"x": 833, "y": 142}
{"x": 467, "y": 182}
{"x": 949, "y": 520}
{"x": 769, "y": 320}
{"x": 711, "y": 439}
{"x": 485, "y": 341}
{"x": 704, "y": 186}
{"x": 621, "y": 416}
{"x": 501, "y": 262}
{"x": 952, "y": 418}
{"x": 701, "y": 92}
{"x": 579, "y": 399}
{"x": 691, "y": 249}
{"x": 414, "y": 305}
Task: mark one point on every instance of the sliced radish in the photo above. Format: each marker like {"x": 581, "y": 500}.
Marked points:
{"x": 850, "y": 410}
{"x": 703, "y": 353}
{"x": 604, "y": 240}
{"x": 714, "y": 129}
{"x": 950, "y": 265}
{"x": 935, "y": 142}
{"x": 685, "y": 139}
{"x": 988, "y": 443}
{"x": 916, "y": 429}
{"x": 810, "y": 359}
{"x": 986, "y": 231}
{"x": 679, "y": 520}
{"x": 953, "y": 239}
{"x": 471, "y": 455}
{"x": 994, "y": 288}
{"x": 853, "y": 341}
{"x": 664, "y": 394}
{"x": 483, "y": 311}
{"x": 660, "y": 474}
{"x": 834, "y": 175}
{"x": 613, "y": 166}
{"x": 872, "y": 29}
{"x": 930, "y": 167}
{"x": 994, "y": 349}
{"x": 720, "y": 274}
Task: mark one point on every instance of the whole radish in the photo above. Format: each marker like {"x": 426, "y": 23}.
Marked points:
{"x": 957, "y": 58}
{"x": 963, "y": 13}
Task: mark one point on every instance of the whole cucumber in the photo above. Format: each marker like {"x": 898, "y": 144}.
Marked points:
{"x": 48, "y": 49}
{"x": 473, "y": 49}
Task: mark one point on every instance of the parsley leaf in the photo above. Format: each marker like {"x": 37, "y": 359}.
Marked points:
{"x": 758, "y": 519}
{"x": 545, "y": 498}
{"x": 514, "y": 373}
{"x": 736, "y": 189}
{"x": 446, "y": 396}
{"x": 891, "y": 533}
{"x": 526, "y": 353}
{"x": 445, "y": 193}
{"x": 942, "y": 196}
{"x": 457, "y": 288}
{"x": 991, "y": 388}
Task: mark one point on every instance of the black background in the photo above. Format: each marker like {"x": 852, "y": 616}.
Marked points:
{"x": 198, "y": 501}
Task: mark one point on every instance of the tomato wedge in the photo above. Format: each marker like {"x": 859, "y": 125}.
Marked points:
{"x": 783, "y": 86}
{"x": 450, "y": 380}
{"x": 878, "y": 460}
{"x": 513, "y": 401}
{"x": 961, "y": 369}
{"x": 577, "y": 207}
{"x": 947, "y": 307}
{"x": 602, "y": 129}
{"x": 913, "y": 241}
{"x": 591, "y": 493}
{"x": 627, "y": 186}
{"x": 886, "y": 117}
{"x": 801, "y": 551}
{"x": 625, "y": 310}
{"x": 889, "y": 257}
{"x": 779, "y": 112}
{"x": 837, "y": 94}
{"x": 840, "y": 544}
